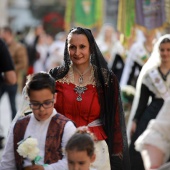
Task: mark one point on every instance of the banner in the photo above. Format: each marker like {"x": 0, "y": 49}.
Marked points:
{"x": 167, "y": 11}
{"x": 111, "y": 12}
{"x": 126, "y": 16}
{"x": 150, "y": 14}
{"x": 84, "y": 13}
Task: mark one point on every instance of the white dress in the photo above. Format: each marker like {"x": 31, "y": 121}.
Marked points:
{"x": 157, "y": 130}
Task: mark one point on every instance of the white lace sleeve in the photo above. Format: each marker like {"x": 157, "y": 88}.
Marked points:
{"x": 157, "y": 132}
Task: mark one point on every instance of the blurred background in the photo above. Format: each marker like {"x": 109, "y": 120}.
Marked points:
{"x": 57, "y": 15}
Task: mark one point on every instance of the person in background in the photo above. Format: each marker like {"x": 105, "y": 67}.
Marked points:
{"x": 88, "y": 94}
{"x": 42, "y": 51}
{"x": 154, "y": 143}
{"x": 7, "y": 74}
{"x": 152, "y": 89}
{"x": 19, "y": 55}
{"x": 31, "y": 41}
{"x": 80, "y": 150}
{"x": 109, "y": 42}
{"x": 51, "y": 129}
{"x": 137, "y": 56}
{"x": 54, "y": 56}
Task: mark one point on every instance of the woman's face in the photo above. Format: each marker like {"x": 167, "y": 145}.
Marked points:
{"x": 109, "y": 31}
{"x": 164, "y": 49}
{"x": 79, "y": 49}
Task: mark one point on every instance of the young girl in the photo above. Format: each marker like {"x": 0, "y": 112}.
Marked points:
{"x": 80, "y": 150}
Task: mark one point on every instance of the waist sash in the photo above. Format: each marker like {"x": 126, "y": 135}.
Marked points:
{"x": 159, "y": 84}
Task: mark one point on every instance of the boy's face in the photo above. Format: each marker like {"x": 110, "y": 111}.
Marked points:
{"x": 79, "y": 160}
{"x": 44, "y": 97}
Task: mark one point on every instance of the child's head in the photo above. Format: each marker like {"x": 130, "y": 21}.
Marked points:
{"x": 80, "y": 151}
{"x": 40, "y": 88}
{"x": 39, "y": 81}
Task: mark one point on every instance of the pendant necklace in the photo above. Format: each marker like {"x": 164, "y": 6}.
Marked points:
{"x": 82, "y": 74}
{"x": 81, "y": 89}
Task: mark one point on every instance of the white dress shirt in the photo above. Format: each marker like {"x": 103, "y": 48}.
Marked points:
{"x": 37, "y": 129}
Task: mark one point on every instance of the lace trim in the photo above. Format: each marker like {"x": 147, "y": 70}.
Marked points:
{"x": 69, "y": 78}
{"x": 159, "y": 84}
{"x": 96, "y": 122}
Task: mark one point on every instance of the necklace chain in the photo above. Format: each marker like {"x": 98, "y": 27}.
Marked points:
{"x": 80, "y": 89}
{"x": 82, "y": 74}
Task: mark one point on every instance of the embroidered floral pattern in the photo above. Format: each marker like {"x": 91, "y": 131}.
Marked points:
{"x": 69, "y": 78}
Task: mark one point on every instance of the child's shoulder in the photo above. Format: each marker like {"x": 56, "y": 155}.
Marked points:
{"x": 59, "y": 116}
{"x": 23, "y": 118}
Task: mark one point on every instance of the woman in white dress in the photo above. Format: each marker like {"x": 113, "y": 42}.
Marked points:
{"x": 152, "y": 89}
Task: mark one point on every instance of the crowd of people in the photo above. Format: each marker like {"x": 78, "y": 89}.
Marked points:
{"x": 75, "y": 81}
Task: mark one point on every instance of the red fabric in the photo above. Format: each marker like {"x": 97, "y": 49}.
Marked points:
{"x": 117, "y": 139}
{"x": 82, "y": 113}
{"x": 118, "y": 142}
{"x": 86, "y": 111}
{"x": 30, "y": 70}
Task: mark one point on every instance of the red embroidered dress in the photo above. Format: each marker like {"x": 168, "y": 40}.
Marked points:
{"x": 85, "y": 111}
{"x": 81, "y": 112}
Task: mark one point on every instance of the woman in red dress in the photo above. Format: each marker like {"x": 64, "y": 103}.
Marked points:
{"x": 88, "y": 94}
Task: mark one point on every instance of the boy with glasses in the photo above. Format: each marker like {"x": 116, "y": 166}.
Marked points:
{"x": 51, "y": 129}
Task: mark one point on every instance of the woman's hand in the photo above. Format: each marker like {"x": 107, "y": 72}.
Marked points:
{"x": 34, "y": 167}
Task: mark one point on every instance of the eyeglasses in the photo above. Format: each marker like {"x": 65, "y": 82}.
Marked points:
{"x": 37, "y": 106}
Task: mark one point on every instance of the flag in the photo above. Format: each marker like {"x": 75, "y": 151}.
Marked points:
{"x": 84, "y": 13}
{"x": 126, "y": 16}
{"x": 150, "y": 14}
{"x": 167, "y": 11}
